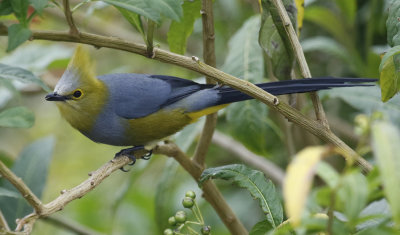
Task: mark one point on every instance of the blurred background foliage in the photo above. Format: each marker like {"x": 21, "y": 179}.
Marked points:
{"x": 342, "y": 38}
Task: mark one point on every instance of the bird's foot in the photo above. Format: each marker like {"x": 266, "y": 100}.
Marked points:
{"x": 130, "y": 153}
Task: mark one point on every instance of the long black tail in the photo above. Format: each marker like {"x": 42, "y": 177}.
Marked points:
{"x": 229, "y": 95}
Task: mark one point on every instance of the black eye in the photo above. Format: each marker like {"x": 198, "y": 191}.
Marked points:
{"x": 77, "y": 94}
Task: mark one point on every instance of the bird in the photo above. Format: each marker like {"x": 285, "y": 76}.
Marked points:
{"x": 139, "y": 109}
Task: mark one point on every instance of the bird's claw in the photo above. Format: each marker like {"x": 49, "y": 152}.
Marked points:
{"x": 129, "y": 152}
{"x": 148, "y": 155}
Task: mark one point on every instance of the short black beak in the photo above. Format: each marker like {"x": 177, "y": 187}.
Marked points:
{"x": 55, "y": 97}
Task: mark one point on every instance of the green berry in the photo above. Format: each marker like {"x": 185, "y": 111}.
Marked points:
{"x": 168, "y": 231}
{"x": 187, "y": 202}
{"x": 172, "y": 221}
{"x": 206, "y": 230}
{"x": 190, "y": 194}
{"x": 180, "y": 217}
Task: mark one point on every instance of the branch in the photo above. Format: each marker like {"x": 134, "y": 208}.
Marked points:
{"x": 21, "y": 187}
{"x": 211, "y": 192}
{"x": 194, "y": 64}
{"x": 73, "y": 30}
{"x": 301, "y": 60}
{"x": 95, "y": 178}
{"x": 209, "y": 58}
{"x": 259, "y": 162}
{"x": 3, "y": 223}
{"x": 70, "y": 225}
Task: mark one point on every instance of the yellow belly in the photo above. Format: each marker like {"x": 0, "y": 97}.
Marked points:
{"x": 163, "y": 123}
{"x": 156, "y": 126}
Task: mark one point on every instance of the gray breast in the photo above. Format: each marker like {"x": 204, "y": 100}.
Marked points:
{"x": 110, "y": 129}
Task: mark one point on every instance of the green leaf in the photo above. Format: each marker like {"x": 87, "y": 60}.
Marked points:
{"x": 389, "y": 69}
{"x": 274, "y": 40}
{"x": 385, "y": 143}
{"x": 185, "y": 138}
{"x": 180, "y": 31}
{"x": 39, "y": 5}
{"x": 37, "y": 57}
{"x": 261, "y": 228}
{"x": 22, "y": 75}
{"x": 20, "y": 8}
{"x": 376, "y": 213}
{"x": 141, "y": 7}
{"x": 328, "y": 174}
{"x": 152, "y": 9}
{"x": 392, "y": 24}
{"x": 171, "y": 9}
{"x": 256, "y": 183}
{"x": 165, "y": 194}
{"x": 244, "y": 59}
{"x": 326, "y": 45}
{"x": 326, "y": 19}
{"x": 31, "y": 166}
{"x": 348, "y": 9}
{"x": 367, "y": 100}
{"x": 134, "y": 19}
{"x": 17, "y": 117}
{"x": 8, "y": 193}
{"x": 5, "y": 7}
{"x": 17, "y": 34}
{"x": 247, "y": 120}
{"x": 352, "y": 195}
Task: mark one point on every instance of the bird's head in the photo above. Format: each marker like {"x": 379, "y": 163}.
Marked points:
{"x": 78, "y": 84}
{"x": 79, "y": 92}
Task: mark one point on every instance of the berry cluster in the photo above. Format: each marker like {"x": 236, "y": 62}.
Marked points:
{"x": 180, "y": 223}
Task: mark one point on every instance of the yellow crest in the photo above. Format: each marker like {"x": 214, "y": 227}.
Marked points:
{"x": 81, "y": 63}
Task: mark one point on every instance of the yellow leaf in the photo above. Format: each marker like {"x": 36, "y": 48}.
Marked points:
{"x": 300, "y": 14}
{"x": 298, "y": 180}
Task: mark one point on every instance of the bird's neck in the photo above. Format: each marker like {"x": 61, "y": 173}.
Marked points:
{"x": 82, "y": 114}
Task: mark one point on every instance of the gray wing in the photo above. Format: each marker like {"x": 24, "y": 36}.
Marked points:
{"x": 138, "y": 95}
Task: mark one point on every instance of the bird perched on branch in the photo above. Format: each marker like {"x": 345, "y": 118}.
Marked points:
{"x": 137, "y": 109}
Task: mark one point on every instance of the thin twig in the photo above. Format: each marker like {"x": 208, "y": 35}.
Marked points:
{"x": 95, "y": 178}
{"x": 293, "y": 115}
{"x": 73, "y": 30}
{"x": 70, "y": 225}
{"x": 209, "y": 58}
{"x": 149, "y": 38}
{"x": 301, "y": 60}
{"x": 211, "y": 192}
{"x": 3, "y": 222}
{"x": 21, "y": 187}
{"x": 258, "y": 162}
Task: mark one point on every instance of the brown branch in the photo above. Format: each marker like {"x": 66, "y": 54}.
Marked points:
{"x": 73, "y": 30}
{"x": 70, "y": 225}
{"x": 209, "y": 58}
{"x": 211, "y": 192}
{"x": 95, "y": 178}
{"x": 301, "y": 60}
{"x": 194, "y": 64}
{"x": 271, "y": 170}
{"x": 21, "y": 187}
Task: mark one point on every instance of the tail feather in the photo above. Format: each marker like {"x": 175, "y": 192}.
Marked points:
{"x": 230, "y": 95}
